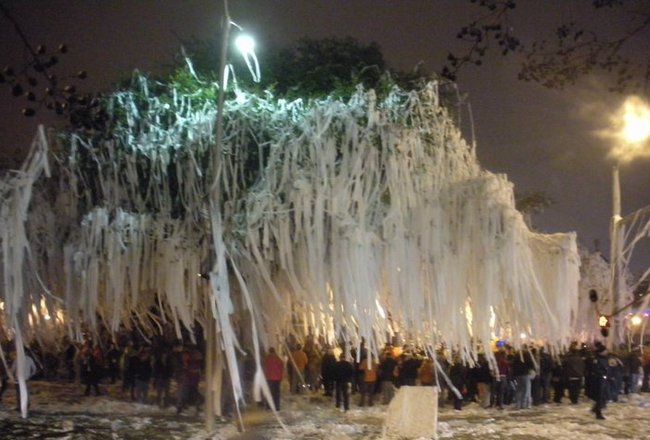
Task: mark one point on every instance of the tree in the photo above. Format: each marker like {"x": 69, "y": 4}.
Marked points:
{"x": 530, "y": 203}
{"x": 307, "y": 68}
{"x": 575, "y": 51}
{"x": 37, "y": 81}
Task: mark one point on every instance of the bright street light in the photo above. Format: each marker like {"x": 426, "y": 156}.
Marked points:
{"x": 636, "y": 320}
{"x": 631, "y": 129}
{"x": 636, "y": 119}
{"x": 245, "y": 44}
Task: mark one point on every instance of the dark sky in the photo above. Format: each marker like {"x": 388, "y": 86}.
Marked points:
{"x": 542, "y": 139}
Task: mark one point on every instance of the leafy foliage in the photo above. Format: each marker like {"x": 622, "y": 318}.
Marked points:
{"x": 38, "y": 83}
{"x": 574, "y": 52}
{"x": 532, "y": 202}
{"x": 317, "y": 67}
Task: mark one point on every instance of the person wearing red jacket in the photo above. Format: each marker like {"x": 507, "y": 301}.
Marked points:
{"x": 273, "y": 370}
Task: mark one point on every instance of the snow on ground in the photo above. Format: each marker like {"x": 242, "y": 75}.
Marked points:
{"x": 61, "y": 411}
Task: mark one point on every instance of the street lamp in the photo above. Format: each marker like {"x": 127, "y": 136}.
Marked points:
{"x": 246, "y": 46}
{"x": 631, "y": 133}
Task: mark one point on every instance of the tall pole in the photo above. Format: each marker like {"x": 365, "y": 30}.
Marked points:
{"x": 212, "y": 354}
{"x": 614, "y": 252}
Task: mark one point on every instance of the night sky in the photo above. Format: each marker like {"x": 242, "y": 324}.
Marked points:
{"x": 544, "y": 140}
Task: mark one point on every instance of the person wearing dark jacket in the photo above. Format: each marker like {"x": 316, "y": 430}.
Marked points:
{"x": 90, "y": 370}
{"x": 343, "y": 374}
{"x": 387, "y": 367}
{"x": 458, "y": 377}
{"x": 408, "y": 370}
{"x": 483, "y": 379}
{"x": 633, "y": 365}
{"x": 327, "y": 367}
{"x": 113, "y": 362}
{"x": 501, "y": 379}
{"x": 573, "y": 370}
{"x": 546, "y": 365}
{"x": 161, "y": 372}
{"x": 522, "y": 368}
{"x": 599, "y": 368}
{"x": 142, "y": 375}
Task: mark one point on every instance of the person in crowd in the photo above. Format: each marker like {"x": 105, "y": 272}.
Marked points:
{"x": 387, "y": 367}
{"x": 573, "y": 370}
{"x": 483, "y": 379}
{"x": 191, "y": 374}
{"x": 273, "y": 371}
{"x": 521, "y": 369}
{"x": 30, "y": 370}
{"x": 4, "y": 375}
{"x": 313, "y": 368}
{"x": 343, "y": 375}
{"x": 546, "y": 364}
{"x": 458, "y": 377}
{"x": 300, "y": 361}
{"x": 408, "y": 369}
{"x": 645, "y": 361}
{"x": 100, "y": 361}
{"x": 427, "y": 373}
{"x": 142, "y": 375}
{"x": 558, "y": 381}
{"x": 500, "y": 383}
{"x": 600, "y": 365}
{"x": 129, "y": 366}
{"x": 177, "y": 367}
{"x": 70, "y": 355}
{"x": 327, "y": 368}
{"x": 356, "y": 379}
{"x": 368, "y": 381}
{"x": 442, "y": 363}
{"x": 113, "y": 362}
{"x": 90, "y": 370}
{"x": 634, "y": 368}
{"x": 161, "y": 371}
{"x": 614, "y": 376}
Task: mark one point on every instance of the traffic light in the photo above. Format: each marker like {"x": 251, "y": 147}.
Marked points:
{"x": 603, "y": 322}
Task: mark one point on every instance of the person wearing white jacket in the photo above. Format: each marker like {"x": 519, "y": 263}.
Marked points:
{"x": 30, "y": 371}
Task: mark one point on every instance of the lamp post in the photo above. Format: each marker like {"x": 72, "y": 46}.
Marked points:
{"x": 632, "y": 134}
{"x": 218, "y": 275}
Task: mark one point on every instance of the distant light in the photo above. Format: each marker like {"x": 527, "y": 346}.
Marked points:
{"x": 603, "y": 321}
{"x": 245, "y": 44}
{"x": 636, "y": 320}
{"x": 523, "y": 336}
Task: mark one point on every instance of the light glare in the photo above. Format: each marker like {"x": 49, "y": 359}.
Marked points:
{"x": 636, "y": 122}
{"x": 630, "y": 129}
{"x": 245, "y": 44}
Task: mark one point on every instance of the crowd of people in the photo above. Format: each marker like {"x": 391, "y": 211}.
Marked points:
{"x": 513, "y": 378}
{"x": 165, "y": 374}
{"x": 148, "y": 372}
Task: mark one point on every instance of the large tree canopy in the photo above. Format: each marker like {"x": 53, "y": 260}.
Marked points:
{"x": 338, "y": 217}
